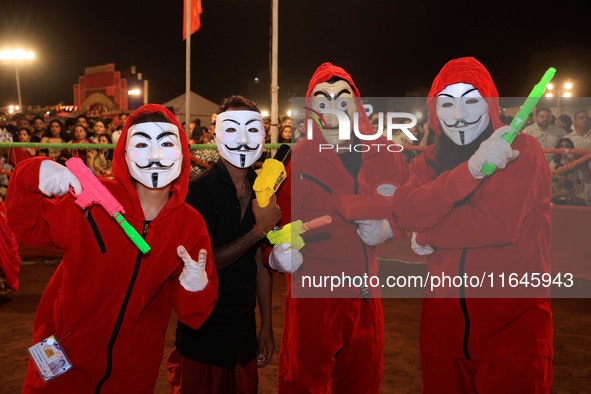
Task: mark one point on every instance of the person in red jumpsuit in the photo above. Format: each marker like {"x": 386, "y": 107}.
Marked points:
{"x": 333, "y": 340}
{"x": 107, "y": 303}
{"x": 477, "y": 340}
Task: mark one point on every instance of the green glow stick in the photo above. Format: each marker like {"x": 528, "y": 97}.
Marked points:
{"x": 527, "y": 107}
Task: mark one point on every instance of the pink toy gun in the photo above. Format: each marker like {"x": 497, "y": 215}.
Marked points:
{"x": 94, "y": 192}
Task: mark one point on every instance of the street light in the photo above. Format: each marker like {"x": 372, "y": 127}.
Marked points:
{"x": 17, "y": 56}
{"x": 559, "y": 90}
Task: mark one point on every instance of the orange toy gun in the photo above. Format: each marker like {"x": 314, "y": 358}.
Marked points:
{"x": 291, "y": 232}
{"x": 94, "y": 192}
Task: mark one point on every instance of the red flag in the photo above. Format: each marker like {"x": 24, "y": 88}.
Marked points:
{"x": 195, "y": 17}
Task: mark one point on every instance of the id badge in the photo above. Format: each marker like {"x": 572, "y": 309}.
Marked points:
{"x": 50, "y": 358}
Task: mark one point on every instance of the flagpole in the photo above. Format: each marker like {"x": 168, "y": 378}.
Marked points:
{"x": 188, "y": 70}
{"x": 274, "y": 87}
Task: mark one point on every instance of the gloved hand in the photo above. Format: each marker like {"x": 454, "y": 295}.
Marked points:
{"x": 55, "y": 179}
{"x": 285, "y": 260}
{"x": 418, "y": 249}
{"x": 494, "y": 150}
{"x": 374, "y": 231}
{"x": 193, "y": 278}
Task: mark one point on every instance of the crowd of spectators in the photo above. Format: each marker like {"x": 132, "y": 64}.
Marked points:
{"x": 78, "y": 130}
{"x": 571, "y": 173}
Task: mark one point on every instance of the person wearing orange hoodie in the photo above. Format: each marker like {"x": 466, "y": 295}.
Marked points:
{"x": 333, "y": 341}
{"x": 107, "y": 303}
{"x": 487, "y": 339}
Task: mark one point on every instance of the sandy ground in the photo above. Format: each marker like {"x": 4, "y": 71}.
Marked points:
{"x": 402, "y": 374}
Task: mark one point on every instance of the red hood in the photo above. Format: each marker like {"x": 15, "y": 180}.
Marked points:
{"x": 324, "y": 73}
{"x": 464, "y": 70}
{"x": 121, "y": 173}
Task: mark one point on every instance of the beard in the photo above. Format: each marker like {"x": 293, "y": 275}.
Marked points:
{"x": 449, "y": 155}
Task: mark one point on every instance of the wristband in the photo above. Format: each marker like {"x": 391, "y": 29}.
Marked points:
{"x": 258, "y": 228}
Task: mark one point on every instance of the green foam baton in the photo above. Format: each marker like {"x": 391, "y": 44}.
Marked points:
{"x": 528, "y": 106}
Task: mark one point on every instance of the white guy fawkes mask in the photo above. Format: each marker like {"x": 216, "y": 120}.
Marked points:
{"x": 153, "y": 153}
{"x": 462, "y": 112}
{"x": 338, "y": 95}
{"x": 240, "y": 136}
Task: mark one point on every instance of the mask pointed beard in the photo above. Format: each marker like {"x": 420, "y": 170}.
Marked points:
{"x": 462, "y": 137}
{"x": 155, "y": 180}
{"x": 242, "y": 160}
{"x": 449, "y": 155}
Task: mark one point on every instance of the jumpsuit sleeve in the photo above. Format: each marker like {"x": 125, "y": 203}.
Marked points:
{"x": 509, "y": 196}
{"x": 425, "y": 199}
{"x": 34, "y": 218}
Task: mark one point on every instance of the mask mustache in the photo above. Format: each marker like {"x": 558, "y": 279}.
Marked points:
{"x": 243, "y": 147}
{"x": 463, "y": 123}
{"x": 154, "y": 164}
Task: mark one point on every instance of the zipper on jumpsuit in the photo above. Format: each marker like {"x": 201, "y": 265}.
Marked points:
{"x": 364, "y": 289}
{"x": 121, "y": 314}
{"x": 464, "y": 306}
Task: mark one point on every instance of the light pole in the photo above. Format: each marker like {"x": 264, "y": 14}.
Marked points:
{"x": 16, "y": 56}
{"x": 561, "y": 90}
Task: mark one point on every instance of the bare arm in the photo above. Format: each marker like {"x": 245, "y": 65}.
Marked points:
{"x": 265, "y": 219}
{"x": 230, "y": 252}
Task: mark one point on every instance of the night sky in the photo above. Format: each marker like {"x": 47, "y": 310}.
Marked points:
{"x": 388, "y": 47}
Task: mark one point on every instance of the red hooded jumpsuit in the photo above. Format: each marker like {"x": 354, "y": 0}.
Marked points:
{"x": 500, "y": 223}
{"x": 333, "y": 344}
{"x": 107, "y": 303}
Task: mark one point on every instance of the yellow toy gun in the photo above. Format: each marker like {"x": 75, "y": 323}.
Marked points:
{"x": 271, "y": 176}
{"x": 291, "y": 232}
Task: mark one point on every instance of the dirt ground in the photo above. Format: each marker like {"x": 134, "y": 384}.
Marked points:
{"x": 402, "y": 373}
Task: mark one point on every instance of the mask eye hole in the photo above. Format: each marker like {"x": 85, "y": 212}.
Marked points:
{"x": 167, "y": 144}
{"x": 472, "y": 101}
{"x": 253, "y": 130}
{"x": 230, "y": 130}
{"x": 141, "y": 145}
{"x": 447, "y": 105}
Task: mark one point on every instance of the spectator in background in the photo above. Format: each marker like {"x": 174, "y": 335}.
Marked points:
{"x": 5, "y": 134}
{"x": 284, "y": 134}
{"x": 100, "y": 160}
{"x": 115, "y": 136}
{"x": 559, "y": 159}
{"x": 19, "y": 154}
{"x": 83, "y": 120}
{"x": 38, "y": 127}
{"x": 197, "y": 136}
{"x": 80, "y": 137}
{"x": 20, "y": 120}
{"x": 110, "y": 125}
{"x": 565, "y": 122}
{"x": 581, "y": 137}
{"x": 69, "y": 129}
{"x": 300, "y": 131}
{"x": 267, "y": 125}
{"x": 99, "y": 128}
{"x": 54, "y": 135}
{"x": 286, "y": 121}
{"x": 6, "y": 128}
{"x": 546, "y": 133}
